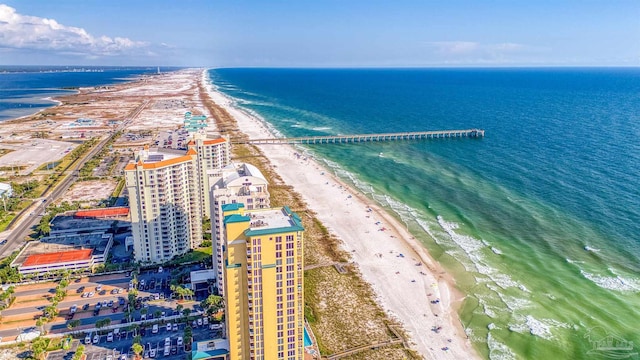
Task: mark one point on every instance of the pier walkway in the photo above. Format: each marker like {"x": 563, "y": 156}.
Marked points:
{"x": 347, "y": 139}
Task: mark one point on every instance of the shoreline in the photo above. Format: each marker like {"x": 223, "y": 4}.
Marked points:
{"x": 399, "y": 272}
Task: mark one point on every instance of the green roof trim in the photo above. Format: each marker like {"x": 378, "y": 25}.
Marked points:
{"x": 232, "y": 207}
{"x": 268, "y": 266}
{"x": 280, "y": 230}
{"x": 233, "y": 266}
{"x": 235, "y": 218}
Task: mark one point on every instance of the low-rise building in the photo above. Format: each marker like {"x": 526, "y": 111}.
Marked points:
{"x": 75, "y": 252}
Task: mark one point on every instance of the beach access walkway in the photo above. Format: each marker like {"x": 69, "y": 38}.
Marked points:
{"x": 349, "y": 139}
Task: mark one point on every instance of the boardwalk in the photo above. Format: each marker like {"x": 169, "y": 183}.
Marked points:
{"x": 348, "y": 139}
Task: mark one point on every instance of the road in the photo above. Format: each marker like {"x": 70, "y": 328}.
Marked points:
{"x": 29, "y": 217}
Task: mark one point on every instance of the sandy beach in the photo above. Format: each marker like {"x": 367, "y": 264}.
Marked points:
{"x": 409, "y": 285}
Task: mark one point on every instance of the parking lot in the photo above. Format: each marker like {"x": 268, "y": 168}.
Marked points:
{"x": 154, "y": 343}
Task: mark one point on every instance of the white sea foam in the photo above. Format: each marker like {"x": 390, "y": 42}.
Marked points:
{"x": 498, "y": 350}
{"x": 538, "y": 328}
{"x": 321, "y": 128}
{"x": 617, "y": 283}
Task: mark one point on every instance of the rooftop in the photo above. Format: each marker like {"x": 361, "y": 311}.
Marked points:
{"x": 274, "y": 220}
{"x": 58, "y": 257}
{"x": 101, "y": 213}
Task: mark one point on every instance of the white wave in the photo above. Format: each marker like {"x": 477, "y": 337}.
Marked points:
{"x": 591, "y": 249}
{"x": 498, "y": 350}
{"x": 617, "y": 283}
{"x": 321, "y": 128}
{"x": 538, "y": 328}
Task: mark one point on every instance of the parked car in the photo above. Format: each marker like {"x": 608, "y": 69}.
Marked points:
{"x": 85, "y": 306}
{"x": 154, "y": 329}
{"x": 99, "y": 288}
{"x": 205, "y": 321}
{"x": 87, "y": 339}
{"x": 169, "y": 327}
{"x": 152, "y": 353}
{"x": 110, "y": 337}
{"x": 199, "y": 321}
{"x": 96, "y": 339}
{"x": 85, "y": 294}
{"x": 91, "y": 294}
{"x": 110, "y": 303}
{"x": 114, "y": 291}
{"x": 179, "y": 340}
{"x": 175, "y": 326}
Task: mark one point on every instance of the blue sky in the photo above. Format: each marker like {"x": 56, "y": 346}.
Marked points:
{"x": 328, "y": 33}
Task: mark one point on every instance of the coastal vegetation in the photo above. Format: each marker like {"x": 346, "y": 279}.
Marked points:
{"x": 341, "y": 309}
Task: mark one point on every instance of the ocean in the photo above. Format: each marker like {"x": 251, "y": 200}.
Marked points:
{"x": 537, "y": 221}
{"x": 25, "y": 90}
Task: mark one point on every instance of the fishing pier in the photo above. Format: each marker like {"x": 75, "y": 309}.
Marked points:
{"x": 349, "y": 139}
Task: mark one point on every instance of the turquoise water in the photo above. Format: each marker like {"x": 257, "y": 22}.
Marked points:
{"x": 537, "y": 222}
{"x": 307, "y": 339}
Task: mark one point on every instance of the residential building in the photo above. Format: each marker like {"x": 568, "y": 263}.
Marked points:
{"x": 263, "y": 273}
{"x": 211, "y": 154}
{"x": 235, "y": 183}
{"x": 165, "y": 203}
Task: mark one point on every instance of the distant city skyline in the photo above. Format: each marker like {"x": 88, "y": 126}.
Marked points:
{"x": 321, "y": 34}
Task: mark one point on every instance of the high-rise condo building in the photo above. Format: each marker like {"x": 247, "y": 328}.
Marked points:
{"x": 165, "y": 204}
{"x": 212, "y": 154}
{"x": 263, "y": 257}
{"x": 235, "y": 183}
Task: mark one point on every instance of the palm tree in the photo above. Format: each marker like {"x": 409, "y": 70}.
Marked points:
{"x": 137, "y": 349}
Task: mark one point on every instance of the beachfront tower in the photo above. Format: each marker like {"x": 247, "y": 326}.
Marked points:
{"x": 235, "y": 183}
{"x": 263, "y": 283}
{"x": 165, "y": 204}
{"x": 212, "y": 154}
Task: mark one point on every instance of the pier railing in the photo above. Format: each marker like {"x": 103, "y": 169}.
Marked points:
{"x": 347, "y": 139}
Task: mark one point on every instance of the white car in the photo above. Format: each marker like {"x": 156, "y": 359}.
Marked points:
{"x": 154, "y": 329}
{"x": 179, "y": 340}
{"x": 175, "y": 326}
{"x": 199, "y": 321}
{"x": 169, "y": 327}
{"x": 87, "y": 339}
{"x": 110, "y": 337}
{"x": 205, "y": 321}
{"x": 96, "y": 339}
{"x": 152, "y": 353}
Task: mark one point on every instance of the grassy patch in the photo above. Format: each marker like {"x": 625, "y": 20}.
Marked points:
{"x": 197, "y": 255}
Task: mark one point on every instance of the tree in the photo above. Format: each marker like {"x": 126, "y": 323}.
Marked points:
{"x": 73, "y": 324}
{"x": 137, "y": 349}
{"x": 39, "y": 347}
{"x": 212, "y": 304}
{"x": 40, "y": 323}
{"x": 179, "y": 308}
{"x": 79, "y": 352}
{"x": 103, "y": 322}
{"x": 186, "y": 312}
{"x": 50, "y": 311}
